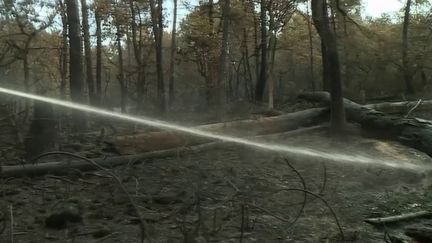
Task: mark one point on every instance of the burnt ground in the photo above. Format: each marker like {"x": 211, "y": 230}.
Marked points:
{"x": 227, "y": 194}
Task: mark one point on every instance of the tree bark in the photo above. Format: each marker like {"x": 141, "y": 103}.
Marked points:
{"x": 311, "y": 49}
{"x": 331, "y": 56}
{"x": 407, "y": 70}
{"x": 42, "y": 133}
{"x": 173, "y": 55}
{"x": 63, "y": 53}
{"x": 120, "y": 77}
{"x": 87, "y": 53}
{"x": 261, "y": 82}
{"x": 98, "y": 19}
{"x": 157, "y": 26}
{"x": 222, "y": 77}
{"x": 75, "y": 61}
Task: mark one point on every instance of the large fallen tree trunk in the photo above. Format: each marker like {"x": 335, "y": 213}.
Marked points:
{"x": 402, "y": 107}
{"x": 152, "y": 141}
{"x": 64, "y": 167}
{"x": 416, "y": 133}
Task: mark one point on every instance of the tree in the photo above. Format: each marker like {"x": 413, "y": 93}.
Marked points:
{"x": 25, "y": 16}
{"x": 261, "y": 82}
{"x": 63, "y": 63}
{"x": 157, "y": 26}
{"x": 98, "y": 20}
{"x": 330, "y": 58}
{"x": 223, "y": 53}
{"x": 139, "y": 35}
{"x": 172, "y": 56}
{"x": 407, "y": 70}
{"x": 120, "y": 75}
{"x": 75, "y": 60}
{"x": 87, "y": 53}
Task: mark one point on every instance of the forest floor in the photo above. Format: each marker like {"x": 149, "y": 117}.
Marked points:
{"x": 226, "y": 194}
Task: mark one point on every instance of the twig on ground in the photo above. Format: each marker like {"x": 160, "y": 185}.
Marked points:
{"x": 242, "y": 222}
{"x": 305, "y": 194}
{"x": 413, "y": 108}
{"x": 233, "y": 186}
{"x": 269, "y": 213}
{"x": 62, "y": 179}
{"x": 325, "y": 202}
{"x": 106, "y": 237}
{"x": 143, "y": 224}
{"x": 11, "y": 224}
{"x": 324, "y": 184}
{"x": 397, "y": 218}
{"x": 3, "y": 222}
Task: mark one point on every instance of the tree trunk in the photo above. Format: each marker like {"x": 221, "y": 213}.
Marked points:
{"x": 63, "y": 53}
{"x": 261, "y": 82}
{"x": 311, "y": 50}
{"x": 157, "y": 24}
{"x": 75, "y": 61}
{"x": 248, "y": 86}
{"x": 26, "y": 69}
{"x": 325, "y": 69}
{"x": 120, "y": 77}
{"x": 407, "y": 70}
{"x": 139, "y": 57}
{"x": 331, "y": 56}
{"x": 222, "y": 77}
{"x": 98, "y": 55}
{"x": 87, "y": 51}
{"x": 42, "y": 133}
{"x": 173, "y": 56}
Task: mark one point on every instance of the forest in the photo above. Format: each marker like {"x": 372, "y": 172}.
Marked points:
{"x": 215, "y": 121}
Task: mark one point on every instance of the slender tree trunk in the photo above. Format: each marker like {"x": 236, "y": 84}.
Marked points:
{"x": 248, "y": 86}
{"x": 75, "y": 61}
{"x": 64, "y": 56}
{"x": 311, "y": 50}
{"x": 223, "y": 55}
{"x": 407, "y": 70}
{"x": 98, "y": 19}
{"x": 26, "y": 69}
{"x": 157, "y": 24}
{"x": 272, "y": 52}
{"x": 63, "y": 62}
{"x": 138, "y": 54}
{"x": 261, "y": 82}
{"x": 120, "y": 76}
{"x": 257, "y": 50}
{"x": 87, "y": 52}
{"x": 173, "y": 56}
{"x": 331, "y": 56}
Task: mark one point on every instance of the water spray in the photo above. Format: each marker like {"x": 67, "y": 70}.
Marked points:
{"x": 306, "y": 152}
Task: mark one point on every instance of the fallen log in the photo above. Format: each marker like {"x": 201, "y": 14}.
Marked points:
{"x": 402, "y": 107}
{"x": 163, "y": 140}
{"x": 64, "y": 167}
{"x": 397, "y": 218}
{"x": 413, "y": 132}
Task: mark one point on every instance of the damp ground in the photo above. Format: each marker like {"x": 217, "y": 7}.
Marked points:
{"x": 227, "y": 194}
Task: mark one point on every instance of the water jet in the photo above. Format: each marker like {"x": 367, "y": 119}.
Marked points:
{"x": 273, "y": 147}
